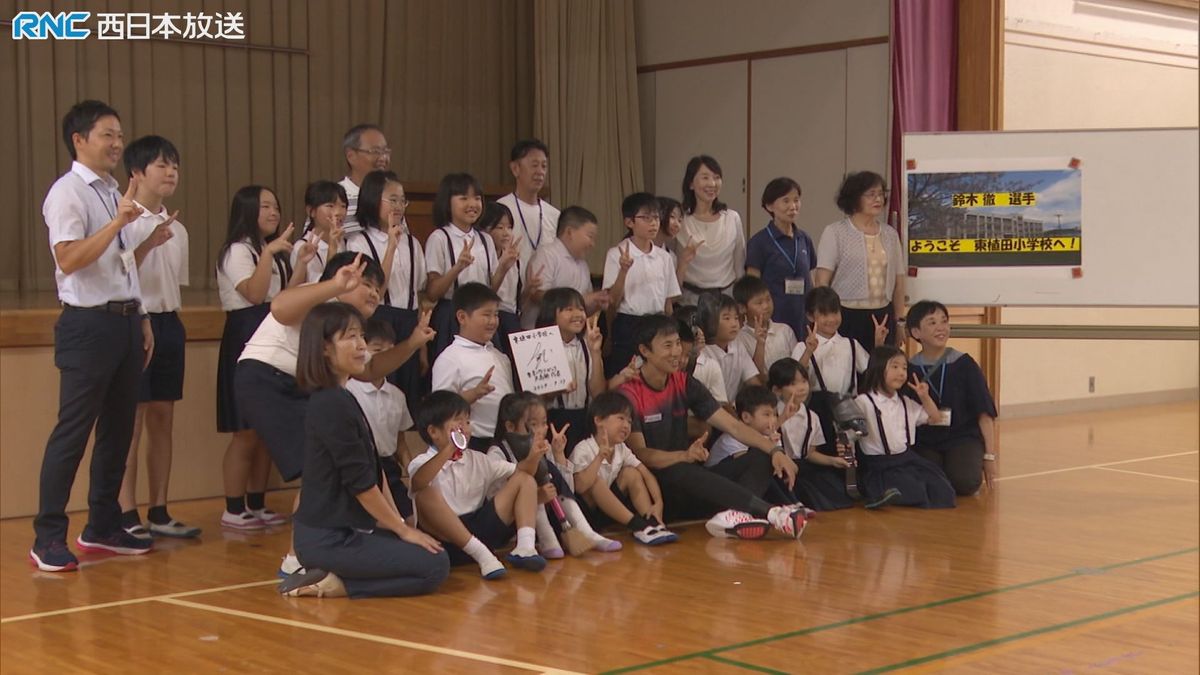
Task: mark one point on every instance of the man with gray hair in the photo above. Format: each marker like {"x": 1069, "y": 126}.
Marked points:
{"x": 366, "y": 150}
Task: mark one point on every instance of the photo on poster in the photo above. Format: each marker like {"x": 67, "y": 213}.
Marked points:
{"x": 982, "y": 219}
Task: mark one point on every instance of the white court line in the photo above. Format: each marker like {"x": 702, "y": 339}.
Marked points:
{"x": 134, "y": 601}
{"x": 368, "y": 636}
{"x": 1152, "y": 475}
{"x": 1097, "y": 466}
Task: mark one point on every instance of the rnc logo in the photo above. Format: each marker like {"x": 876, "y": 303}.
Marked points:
{"x": 43, "y": 25}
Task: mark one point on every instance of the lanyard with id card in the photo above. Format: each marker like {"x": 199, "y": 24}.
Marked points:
{"x": 939, "y": 391}
{"x": 128, "y": 259}
{"x": 794, "y": 284}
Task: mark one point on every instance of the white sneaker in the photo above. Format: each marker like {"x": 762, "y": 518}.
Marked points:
{"x": 242, "y": 521}
{"x": 269, "y": 517}
{"x": 788, "y": 520}
{"x": 733, "y": 524}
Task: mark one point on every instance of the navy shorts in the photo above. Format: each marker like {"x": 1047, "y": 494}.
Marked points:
{"x": 162, "y": 380}
{"x": 487, "y": 526}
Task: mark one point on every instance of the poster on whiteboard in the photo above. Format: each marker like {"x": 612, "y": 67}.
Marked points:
{"x": 995, "y": 218}
{"x": 541, "y": 360}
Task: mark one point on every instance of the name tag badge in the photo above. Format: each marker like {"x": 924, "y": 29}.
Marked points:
{"x": 128, "y": 262}
{"x": 793, "y": 286}
{"x": 945, "y": 418}
{"x": 650, "y": 419}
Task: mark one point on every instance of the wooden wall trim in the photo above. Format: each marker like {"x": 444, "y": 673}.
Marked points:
{"x": 764, "y": 54}
{"x": 35, "y": 327}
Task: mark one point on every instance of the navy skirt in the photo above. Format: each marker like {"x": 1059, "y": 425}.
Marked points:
{"x": 240, "y": 325}
{"x": 920, "y": 481}
{"x": 446, "y": 324}
{"x": 821, "y": 488}
{"x": 274, "y": 407}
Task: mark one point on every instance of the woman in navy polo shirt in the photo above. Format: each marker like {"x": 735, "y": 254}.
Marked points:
{"x": 783, "y": 254}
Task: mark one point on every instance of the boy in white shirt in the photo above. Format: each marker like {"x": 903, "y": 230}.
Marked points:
{"x": 639, "y": 277}
{"x": 766, "y": 340}
{"x": 562, "y": 263}
{"x": 386, "y": 408}
{"x": 611, "y": 478}
{"x": 472, "y": 501}
{"x": 161, "y": 252}
{"x": 471, "y": 366}
{"x": 718, "y": 318}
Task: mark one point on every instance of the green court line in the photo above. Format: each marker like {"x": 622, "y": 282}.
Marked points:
{"x": 901, "y": 610}
{"x": 742, "y": 664}
{"x": 1029, "y": 633}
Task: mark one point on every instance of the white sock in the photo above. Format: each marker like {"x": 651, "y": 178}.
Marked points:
{"x": 546, "y": 538}
{"x": 525, "y": 539}
{"x": 290, "y": 564}
{"x": 488, "y": 563}
{"x": 578, "y": 520}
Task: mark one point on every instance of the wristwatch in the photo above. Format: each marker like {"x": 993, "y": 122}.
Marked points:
{"x": 989, "y": 457}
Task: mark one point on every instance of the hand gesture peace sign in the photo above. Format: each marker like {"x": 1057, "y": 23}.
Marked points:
{"x": 626, "y": 260}
{"x": 881, "y": 331}
{"x": 127, "y": 209}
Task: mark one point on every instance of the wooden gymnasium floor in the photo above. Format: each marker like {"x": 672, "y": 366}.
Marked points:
{"x": 1084, "y": 560}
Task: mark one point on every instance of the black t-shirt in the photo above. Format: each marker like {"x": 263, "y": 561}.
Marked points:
{"x": 661, "y": 414}
{"x": 340, "y": 462}
{"x": 955, "y": 382}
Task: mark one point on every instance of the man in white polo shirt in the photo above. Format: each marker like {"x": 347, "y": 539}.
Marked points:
{"x": 535, "y": 221}
{"x": 102, "y": 340}
{"x": 366, "y": 150}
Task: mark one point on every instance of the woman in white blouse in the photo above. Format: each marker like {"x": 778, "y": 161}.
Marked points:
{"x": 861, "y": 258}
{"x": 710, "y": 227}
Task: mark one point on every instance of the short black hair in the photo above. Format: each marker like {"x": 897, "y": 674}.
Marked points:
{"x": 777, "y": 189}
{"x": 437, "y": 408}
{"x": 753, "y": 397}
{"x": 525, "y": 146}
{"x": 146, "y": 150}
{"x": 748, "y": 288}
{"x": 637, "y": 202}
{"x": 493, "y": 213}
{"x": 872, "y": 377}
{"x": 372, "y": 271}
{"x": 918, "y": 312}
{"x": 652, "y": 326}
{"x": 709, "y": 306}
{"x": 369, "y": 212}
{"x": 471, "y": 296}
{"x": 573, "y": 218}
{"x": 321, "y": 192}
{"x": 81, "y": 118}
{"x": 686, "y": 334}
{"x": 822, "y": 300}
{"x": 689, "y": 174}
{"x": 378, "y": 329}
{"x": 451, "y": 185}
{"x": 608, "y": 404}
{"x": 854, "y": 186}
{"x": 784, "y": 371}
{"x": 553, "y": 301}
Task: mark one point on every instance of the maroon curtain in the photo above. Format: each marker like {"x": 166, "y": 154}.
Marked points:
{"x": 924, "y": 69}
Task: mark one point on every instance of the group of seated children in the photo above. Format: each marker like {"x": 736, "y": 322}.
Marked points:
{"x": 714, "y": 410}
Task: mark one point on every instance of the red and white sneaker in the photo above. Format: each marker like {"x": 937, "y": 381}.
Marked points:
{"x": 788, "y": 520}
{"x": 242, "y": 521}
{"x": 733, "y": 524}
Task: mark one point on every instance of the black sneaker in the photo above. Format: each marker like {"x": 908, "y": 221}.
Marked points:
{"x": 119, "y": 542}
{"x": 55, "y": 557}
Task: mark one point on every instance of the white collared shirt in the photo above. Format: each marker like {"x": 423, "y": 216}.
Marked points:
{"x": 722, "y": 258}
{"x": 580, "y": 361}
{"x": 781, "y": 340}
{"x": 165, "y": 267}
{"x": 386, "y": 410}
{"x": 708, "y": 373}
{"x": 239, "y": 264}
{"x": 892, "y": 410}
{"x": 527, "y": 226}
{"x": 467, "y": 481}
{"x": 461, "y": 365}
{"x": 559, "y": 269}
{"x": 726, "y": 446}
{"x": 316, "y": 266}
{"x": 736, "y": 365}
{"x": 508, "y": 287}
{"x": 78, "y": 205}
{"x": 648, "y": 283}
{"x": 586, "y": 450}
{"x": 832, "y": 356}
{"x": 350, "y": 224}
{"x": 404, "y": 266}
{"x": 437, "y": 256}
{"x": 796, "y": 427}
